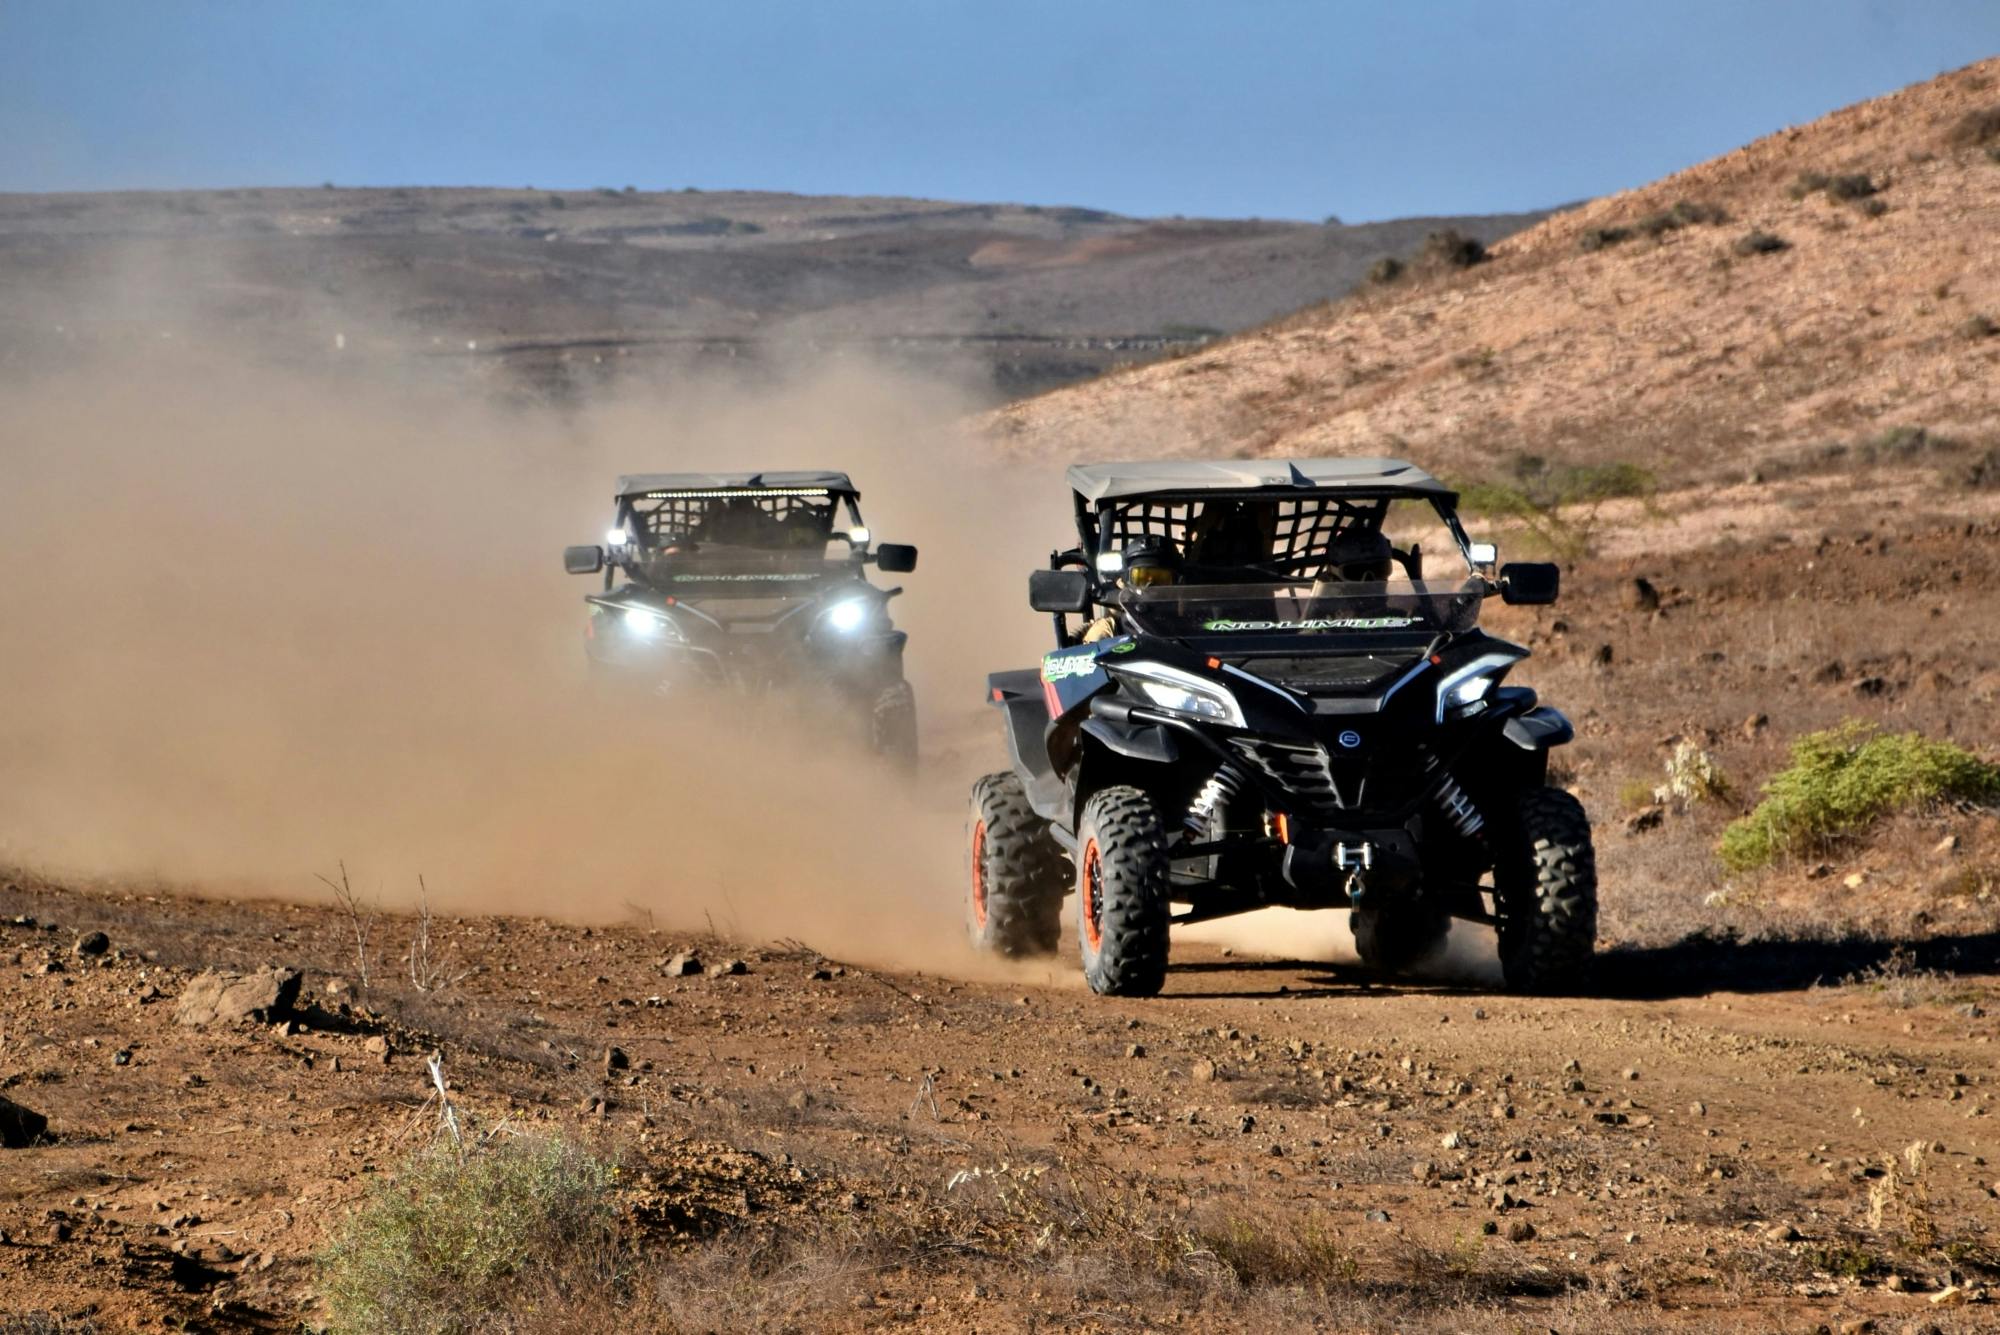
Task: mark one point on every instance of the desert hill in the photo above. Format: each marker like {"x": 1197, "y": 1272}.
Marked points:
{"x": 563, "y": 287}
{"x": 1821, "y": 284}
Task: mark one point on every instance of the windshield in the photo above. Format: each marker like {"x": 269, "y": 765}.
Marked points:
{"x": 1396, "y": 607}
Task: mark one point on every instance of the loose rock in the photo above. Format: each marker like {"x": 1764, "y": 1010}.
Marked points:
{"x": 216, "y": 997}
{"x": 92, "y": 943}
{"x": 20, "y": 1126}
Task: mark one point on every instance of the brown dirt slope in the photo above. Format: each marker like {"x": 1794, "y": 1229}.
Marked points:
{"x": 1673, "y": 345}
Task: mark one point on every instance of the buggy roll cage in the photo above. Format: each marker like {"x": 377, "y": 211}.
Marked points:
{"x": 1307, "y": 520}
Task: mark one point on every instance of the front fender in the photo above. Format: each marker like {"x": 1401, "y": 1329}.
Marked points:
{"x": 1539, "y": 729}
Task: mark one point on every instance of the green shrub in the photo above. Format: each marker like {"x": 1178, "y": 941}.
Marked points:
{"x": 438, "y": 1248}
{"x": 1842, "y": 781}
{"x": 1850, "y": 186}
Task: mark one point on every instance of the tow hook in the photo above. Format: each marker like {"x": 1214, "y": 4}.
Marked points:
{"x": 1355, "y": 860}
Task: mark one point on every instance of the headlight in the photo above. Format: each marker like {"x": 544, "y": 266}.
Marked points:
{"x": 1470, "y": 683}
{"x": 1183, "y": 692}
{"x": 617, "y": 537}
{"x": 847, "y": 617}
{"x": 649, "y": 625}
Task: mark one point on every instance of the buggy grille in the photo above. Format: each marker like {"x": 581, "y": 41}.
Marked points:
{"x": 1302, "y": 771}
{"x": 1349, "y": 673}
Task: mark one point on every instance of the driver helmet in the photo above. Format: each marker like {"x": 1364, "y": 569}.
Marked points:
{"x": 1150, "y": 561}
{"x": 1359, "y": 556}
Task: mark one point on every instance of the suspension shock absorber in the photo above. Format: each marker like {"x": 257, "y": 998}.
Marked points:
{"x": 1458, "y": 808}
{"x": 1222, "y": 785}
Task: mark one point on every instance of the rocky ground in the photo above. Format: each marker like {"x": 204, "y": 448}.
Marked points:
{"x": 1773, "y": 1152}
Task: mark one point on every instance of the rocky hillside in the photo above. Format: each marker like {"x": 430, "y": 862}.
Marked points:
{"x": 1821, "y": 285}
{"x": 565, "y": 288}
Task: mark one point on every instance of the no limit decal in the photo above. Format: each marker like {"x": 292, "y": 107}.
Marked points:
{"x": 1336, "y": 623}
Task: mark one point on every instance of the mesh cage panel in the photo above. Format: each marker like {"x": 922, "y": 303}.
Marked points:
{"x": 1241, "y": 532}
{"x": 749, "y": 518}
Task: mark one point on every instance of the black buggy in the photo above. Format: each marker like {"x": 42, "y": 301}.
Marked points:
{"x": 1290, "y": 704}
{"x": 752, "y": 582}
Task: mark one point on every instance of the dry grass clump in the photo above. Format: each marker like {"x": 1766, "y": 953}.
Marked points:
{"x": 1683, "y": 213}
{"x": 1845, "y": 187}
{"x": 1842, "y": 781}
{"x": 452, "y": 1238}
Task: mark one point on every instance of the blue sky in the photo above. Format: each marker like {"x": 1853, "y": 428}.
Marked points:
{"x": 1272, "y": 108}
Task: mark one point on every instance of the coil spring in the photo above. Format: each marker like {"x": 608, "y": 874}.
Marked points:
{"x": 1222, "y": 785}
{"x": 1458, "y": 808}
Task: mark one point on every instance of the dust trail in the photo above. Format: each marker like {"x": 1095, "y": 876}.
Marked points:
{"x": 262, "y": 618}
{"x": 1466, "y": 956}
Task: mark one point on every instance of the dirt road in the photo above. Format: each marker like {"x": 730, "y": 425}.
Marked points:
{"x": 1699, "y": 1146}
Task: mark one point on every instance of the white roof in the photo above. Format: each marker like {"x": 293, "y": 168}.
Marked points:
{"x": 1097, "y": 482}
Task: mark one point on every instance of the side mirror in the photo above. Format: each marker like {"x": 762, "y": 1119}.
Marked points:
{"x": 1059, "y": 591}
{"x": 895, "y": 558}
{"x": 1530, "y": 582}
{"x": 583, "y": 560}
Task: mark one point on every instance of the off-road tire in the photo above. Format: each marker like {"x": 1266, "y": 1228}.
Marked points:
{"x": 1545, "y": 889}
{"x": 892, "y": 727}
{"x": 1016, "y": 876}
{"x": 1121, "y": 885}
{"x": 1396, "y": 938}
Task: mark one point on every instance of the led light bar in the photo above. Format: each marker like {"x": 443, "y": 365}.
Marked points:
{"x": 725, "y": 492}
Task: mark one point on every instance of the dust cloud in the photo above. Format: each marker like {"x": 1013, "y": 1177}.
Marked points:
{"x": 265, "y": 616}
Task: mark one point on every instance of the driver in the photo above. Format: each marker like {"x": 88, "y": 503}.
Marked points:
{"x": 1359, "y": 556}
{"x": 1355, "y": 556}
{"x": 1149, "y": 563}
{"x": 738, "y": 522}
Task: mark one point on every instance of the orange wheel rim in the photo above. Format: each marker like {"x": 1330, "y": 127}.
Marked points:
{"x": 979, "y": 873}
{"x": 1091, "y": 901}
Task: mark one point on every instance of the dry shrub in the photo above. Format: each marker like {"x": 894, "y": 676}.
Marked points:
{"x": 1451, "y": 249}
{"x": 1974, "y": 128}
{"x": 1692, "y": 777}
{"x": 445, "y": 1245}
{"x": 1386, "y": 270}
{"x": 1557, "y": 503}
{"x": 1760, "y": 243}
